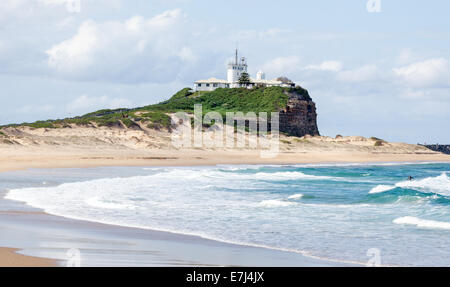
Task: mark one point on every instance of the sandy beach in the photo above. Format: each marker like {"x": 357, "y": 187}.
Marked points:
{"x": 82, "y": 148}
{"x": 10, "y": 258}
{"x": 26, "y": 147}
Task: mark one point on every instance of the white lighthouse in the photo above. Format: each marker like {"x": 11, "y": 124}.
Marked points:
{"x": 260, "y": 75}
{"x": 235, "y": 70}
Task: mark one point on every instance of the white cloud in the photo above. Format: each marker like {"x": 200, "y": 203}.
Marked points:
{"x": 261, "y": 34}
{"x": 282, "y": 66}
{"x": 15, "y": 8}
{"x": 27, "y": 8}
{"x": 187, "y": 55}
{"x": 135, "y": 50}
{"x": 406, "y": 56}
{"x": 55, "y": 2}
{"x": 78, "y": 51}
{"x": 439, "y": 95}
{"x": 433, "y": 72}
{"x": 86, "y": 103}
{"x": 362, "y": 74}
{"x": 35, "y": 109}
{"x": 332, "y": 66}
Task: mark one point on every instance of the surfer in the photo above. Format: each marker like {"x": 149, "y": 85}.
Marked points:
{"x": 410, "y": 178}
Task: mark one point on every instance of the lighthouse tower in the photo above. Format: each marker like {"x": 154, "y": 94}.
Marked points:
{"x": 260, "y": 75}
{"x": 235, "y": 70}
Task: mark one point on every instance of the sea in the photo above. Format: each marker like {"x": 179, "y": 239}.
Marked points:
{"x": 345, "y": 213}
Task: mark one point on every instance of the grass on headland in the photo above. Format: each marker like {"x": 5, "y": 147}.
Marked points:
{"x": 257, "y": 100}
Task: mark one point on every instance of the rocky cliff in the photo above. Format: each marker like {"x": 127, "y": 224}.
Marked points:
{"x": 299, "y": 118}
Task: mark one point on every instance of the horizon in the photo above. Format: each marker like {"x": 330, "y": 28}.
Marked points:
{"x": 384, "y": 74}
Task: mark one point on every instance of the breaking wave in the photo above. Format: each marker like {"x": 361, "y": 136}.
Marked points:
{"x": 437, "y": 185}
{"x": 422, "y": 223}
{"x": 296, "y": 196}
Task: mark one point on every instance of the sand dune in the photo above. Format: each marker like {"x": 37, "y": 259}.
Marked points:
{"x": 84, "y": 146}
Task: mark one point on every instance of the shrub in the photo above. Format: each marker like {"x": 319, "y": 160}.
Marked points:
{"x": 375, "y": 139}
{"x": 378, "y": 143}
{"x": 40, "y": 125}
{"x": 158, "y": 119}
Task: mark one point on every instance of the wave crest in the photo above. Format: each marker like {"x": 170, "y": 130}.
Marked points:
{"x": 422, "y": 223}
{"x": 438, "y": 185}
{"x": 381, "y": 188}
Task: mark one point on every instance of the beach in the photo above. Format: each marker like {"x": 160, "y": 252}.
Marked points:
{"x": 46, "y": 239}
{"x": 17, "y": 158}
{"x": 9, "y": 258}
{"x": 23, "y": 227}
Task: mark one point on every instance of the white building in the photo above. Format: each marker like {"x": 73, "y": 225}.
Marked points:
{"x": 234, "y": 72}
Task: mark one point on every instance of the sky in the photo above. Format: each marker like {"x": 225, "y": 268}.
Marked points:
{"x": 372, "y": 70}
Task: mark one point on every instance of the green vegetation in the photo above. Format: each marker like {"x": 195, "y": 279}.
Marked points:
{"x": 375, "y": 139}
{"x": 184, "y": 93}
{"x": 260, "y": 99}
{"x": 158, "y": 120}
{"x": 227, "y": 100}
{"x": 378, "y": 143}
{"x": 41, "y": 124}
{"x": 302, "y": 140}
{"x": 244, "y": 79}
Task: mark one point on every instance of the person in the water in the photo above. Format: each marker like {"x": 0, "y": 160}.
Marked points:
{"x": 410, "y": 178}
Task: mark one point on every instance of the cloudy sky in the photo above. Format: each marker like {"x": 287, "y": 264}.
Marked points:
{"x": 383, "y": 74}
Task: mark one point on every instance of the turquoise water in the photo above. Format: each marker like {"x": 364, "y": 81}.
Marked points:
{"x": 332, "y": 211}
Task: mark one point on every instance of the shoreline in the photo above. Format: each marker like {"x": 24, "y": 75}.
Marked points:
{"x": 25, "y": 159}
{"x": 10, "y": 256}
{"x": 170, "y": 248}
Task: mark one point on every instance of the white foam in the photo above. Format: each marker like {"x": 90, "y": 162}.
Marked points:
{"x": 275, "y": 203}
{"x": 307, "y": 165}
{"x": 381, "y": 188}
{"x": 439, "y": 184}
{"x": 102, "y": 203}
{"x": 422, "y": 223}
{"x": 296, "y": 196}
{"x": 206, "y": 202}
{"x": 288, "y": 175}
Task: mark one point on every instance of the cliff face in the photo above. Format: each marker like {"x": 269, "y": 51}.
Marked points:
{"x": 299, "y": 118}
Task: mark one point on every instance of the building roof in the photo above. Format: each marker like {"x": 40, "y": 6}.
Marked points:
{"x": 266, "y": 82}
{"x": 212, "y": 81}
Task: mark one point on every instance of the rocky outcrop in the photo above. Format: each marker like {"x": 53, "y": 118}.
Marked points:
{"x": 299, "y": 118}
{"x": 439, "y": 148}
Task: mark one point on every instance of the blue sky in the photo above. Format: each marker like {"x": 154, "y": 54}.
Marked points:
{"x": 383, "y": 74}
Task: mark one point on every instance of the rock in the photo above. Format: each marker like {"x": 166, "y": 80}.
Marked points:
{"x": 300, "y": 117}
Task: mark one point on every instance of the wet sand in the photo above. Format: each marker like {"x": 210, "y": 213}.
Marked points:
{"x": 10, "y": 258}
{"x": 41, "y": 235}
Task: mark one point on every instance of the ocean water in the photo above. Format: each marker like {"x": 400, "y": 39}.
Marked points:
{"x": 331, "y": 211}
